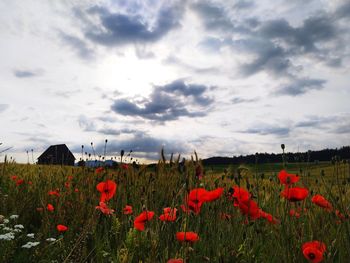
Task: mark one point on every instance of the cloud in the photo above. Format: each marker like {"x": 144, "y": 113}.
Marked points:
{"x": 168, "y": 102}
{"x": 238, "y": 100}
{"x": 336, "y": 123}
{"x": 86, "y": 124}
{"x": 142, "y": 53}
{"x": 117, "y": 28}
{"x": 300, "y": 86}
{"x": 343, "y": 129}
{"x": 142, "y": 145}
{"x": 343, "y": 11}
{"x": 112, "y": 131}
{"x": 173, "y": 60}
{"x": 316, "y": 121}
{"x": 217, "y": 17}
{"x": 243, "y": 4}
{"x": 27, "y": 73}
{"x": 275, "y": 46}
{"x": 91, "y": 125}
{"x": 78, "y": 45}
{"x": 269, "y": 130}
{"x": 147, "y": 144}
{"x": 3, "y": 107}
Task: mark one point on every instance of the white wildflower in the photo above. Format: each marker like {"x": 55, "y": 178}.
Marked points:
{"x": 6, "y": 221}
{"x": 51, "y": 239}
{"x": 14, "y": 217}
{"x": 7, "y": 236}
{"x": 7, "y": 229}
{"x": 19, "y": 226}
{"x": 17, "y": 230}
{"x": 31, "y": 244}
{"x": 31, "y": 235}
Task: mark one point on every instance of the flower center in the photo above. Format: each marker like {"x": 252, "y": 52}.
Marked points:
{"x": 311, "y": 255}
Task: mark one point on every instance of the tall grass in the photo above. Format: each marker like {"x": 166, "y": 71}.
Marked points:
{"x": 224, "y": 234}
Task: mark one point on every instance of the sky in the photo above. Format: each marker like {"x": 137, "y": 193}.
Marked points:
{"x": 221, "y": 78}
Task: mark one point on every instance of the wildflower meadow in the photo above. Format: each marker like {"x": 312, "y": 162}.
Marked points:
{"x": 175, "y": 212}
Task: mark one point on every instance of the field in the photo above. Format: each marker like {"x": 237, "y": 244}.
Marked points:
{"x": 226, "y": 233}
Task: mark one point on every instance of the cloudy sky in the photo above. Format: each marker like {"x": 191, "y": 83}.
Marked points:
{"x": 219, "y": 77}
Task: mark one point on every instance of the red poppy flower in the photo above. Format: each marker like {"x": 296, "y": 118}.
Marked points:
{"x": 127, "y": 210}
{"x": 322, "y": 202}
{"x": 104, "y": 209}
{"x": 169, "y": 214}
{"x": 269, "y": 218}
{"x": 107, "y": 190}
{"x": 295, "y": 194}
{"x": 19, "y": 182}
{"x": 62, "y": 228}
{"x": 194, "y": 200}
{"x": 313, "y": 251}
{"x": 14, "y": 177}
{"x": 99, "y": 170}
{"x": 125, "y": 166}
{"x": 239, "y": 195}
{"x": 54, "y": 192}
{"x": 175, "y": 260}
{"x": 70, "y": 178}
{"x": 340, "y": 215}
{"x": 214, "y": 194}
{"x": 198, "y": 195}
{"x": 67, "y": 184}
{"x": 294, "y": 213}
{"x": 50, "y": 207}
{"x": 187, "y": 236}
{"x": 250, "y": 209}
{"x": 76, "y": 190}
{"x": 286, "y": 178}
{"x": 145, "y": 216}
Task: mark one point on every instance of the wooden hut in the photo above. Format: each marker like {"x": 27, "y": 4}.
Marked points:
{"x": 57, "y": 154}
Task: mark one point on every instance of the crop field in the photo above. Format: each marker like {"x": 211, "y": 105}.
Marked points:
{"x": 175, "y": 212}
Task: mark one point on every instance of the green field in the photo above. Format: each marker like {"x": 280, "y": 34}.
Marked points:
{"x": 225, "y": 235}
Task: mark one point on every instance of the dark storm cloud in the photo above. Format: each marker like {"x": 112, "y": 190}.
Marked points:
{"x": 117, "y": 28}
{"x": 301, "y": 86}
{"x": 26, "y": 73}
{"x": 168, "y": 102}
{"x": 78, "y": 45}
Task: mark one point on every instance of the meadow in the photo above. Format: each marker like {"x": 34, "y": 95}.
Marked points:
{"x": 236, "y": 213}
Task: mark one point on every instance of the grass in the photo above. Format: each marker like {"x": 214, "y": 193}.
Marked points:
{"x": 95, "y": 237}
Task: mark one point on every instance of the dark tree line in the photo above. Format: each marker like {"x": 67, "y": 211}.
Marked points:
{"x": 342, "y": 153}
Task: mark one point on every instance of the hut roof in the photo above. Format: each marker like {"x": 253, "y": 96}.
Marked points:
{"x": 58, "y": 150}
